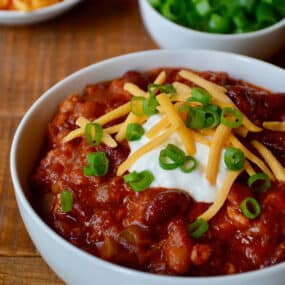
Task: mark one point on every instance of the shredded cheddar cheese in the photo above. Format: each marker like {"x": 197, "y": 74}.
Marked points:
{"x": 146, "y": 148}
{"x": 156, "y": 129}
{"x": 219, "y": 140}
{"x": 176, "y": 121}
{"x": 252, "y": 157}
{"x": 270, "y": 159}
{"x": 221, "y": 196}
{"x": 134, "y": 90}
{"x": 160, "y": 79}
{"x": 274, "y": 126}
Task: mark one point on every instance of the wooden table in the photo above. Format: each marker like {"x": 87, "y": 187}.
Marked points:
{"x": 32, "y": 59}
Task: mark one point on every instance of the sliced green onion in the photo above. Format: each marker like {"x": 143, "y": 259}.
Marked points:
{"x": 203, "y": 7}
{"x": 165, "y": 162}
{"x": 131, "y": 177}
{"x": 137, "y": 105}
{"x": 202, "y": 117}
{"x": 234, "y": 158}
{"x": 222, "y": 16}
{"x": 171, "y": 157}
{"x": 198, "y": 228}
{"x": 212, "y": 116}
{"x": 250, "y": 208}
{"x": 149, "y": 105}
{"x": 265, "y": 15}
{"x": 166, "y": 88}
{"x": 231, "y": 117}
{"x": 259, "y": 182}
{"x": 139, "y": 181}
{"x": 196, "y": 118}
{"x": 98, "y": 164}
{"x": 200, "y": 95}
{"x": 93, "y": 133}
{"x": 189, "y": 164}
{"x": 66, "y": 201}
{"x": 218, "y": 24}
{"x": 134, "y": 132}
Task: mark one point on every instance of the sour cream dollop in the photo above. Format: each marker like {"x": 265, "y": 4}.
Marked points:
{"x": 195, "y": 182}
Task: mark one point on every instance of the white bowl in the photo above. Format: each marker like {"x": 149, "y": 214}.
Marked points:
{"x": 24, "y": 18}
{"x": 71, "y": 264}
{"x": 262, "y": 43}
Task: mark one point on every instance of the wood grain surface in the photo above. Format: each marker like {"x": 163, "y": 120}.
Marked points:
{"x": 32, "y": 59}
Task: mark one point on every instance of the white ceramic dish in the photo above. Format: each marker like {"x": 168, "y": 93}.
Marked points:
{"x": 36, "y": 16}
{"x": 73, "y": 265}
{"x": 260, "y": 44}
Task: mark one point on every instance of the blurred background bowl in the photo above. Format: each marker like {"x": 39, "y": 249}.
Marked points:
{"x": 13, "y": 17}
{"x": 169, "y": 35}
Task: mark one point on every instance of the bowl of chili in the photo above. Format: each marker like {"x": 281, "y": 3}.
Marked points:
{"x": 95, "y": 219}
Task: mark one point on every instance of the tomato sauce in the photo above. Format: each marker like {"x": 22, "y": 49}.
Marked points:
{"x": 148, "y": 230}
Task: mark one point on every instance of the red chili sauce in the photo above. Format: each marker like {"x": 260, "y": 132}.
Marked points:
{"x": 148, "y": 230}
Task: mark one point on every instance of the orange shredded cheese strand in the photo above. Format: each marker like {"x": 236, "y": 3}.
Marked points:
{"x": 73, "y": 135}
{"x": 160, "y": 79}
{"x": 183, "y": 91}
{"x": 114, "y": 114}
{"x": 134, "y": 90}
{"x": 144, "y": 149}
{"x": 113, "y": 129}
{"x": 221, "y": 196}
{"x": 274, "y": 126}
{"x": 241, "y": 131}
{"x": 219, "y": 140}
{"x": 252, "y": 157}
{"x": 274, "y": 164}
{"x": 216, "y": 90}
{"x": 249, "y": 169}
{"x": 176, "y": 121}
{"x": 156, "y": 129}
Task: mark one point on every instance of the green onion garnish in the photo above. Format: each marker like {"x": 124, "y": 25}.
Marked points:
{"x": 93, "y": 133}
{"x": 139, "y": 181}
{"x": 137, "y": 105}
{"x": 134, "y": 132}
{"x": 259, "y": 182}
{"x": 98, "y": 164}
{"x": 171, "y": 157}
{"x": 202, "y": 117}
{"x": 222, "y": 16}
{"x": 189, "y": 164}
{"x": 66, "y": 201}
{"x": 234, "y": 158}
{"x": 149, "y": 105}
{"x": 231, "y": 117}
{"x": 200, "y": 95}
{"x": 166, "y": 88}
{"x": 198, "y": 228}
{"x": 250, "y": 208}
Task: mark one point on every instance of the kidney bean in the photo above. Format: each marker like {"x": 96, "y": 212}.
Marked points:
{"x": 165, "y": 205}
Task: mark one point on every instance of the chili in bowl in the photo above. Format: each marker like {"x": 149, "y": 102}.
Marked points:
{"x": 163, "y": 165}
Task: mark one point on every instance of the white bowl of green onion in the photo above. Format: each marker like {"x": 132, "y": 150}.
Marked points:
{"x": 251, "y": 27}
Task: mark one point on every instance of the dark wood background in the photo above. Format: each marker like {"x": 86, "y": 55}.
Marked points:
{"x": 32, "y": 59}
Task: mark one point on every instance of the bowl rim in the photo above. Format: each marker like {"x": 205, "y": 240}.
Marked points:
{"x": 24, "y": 202}
{"x": 216, "y": 36}
{"x": 13, "y": 14}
